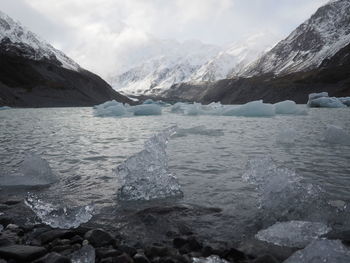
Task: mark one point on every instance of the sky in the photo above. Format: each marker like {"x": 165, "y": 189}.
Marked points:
{"x": 107, "y": 36}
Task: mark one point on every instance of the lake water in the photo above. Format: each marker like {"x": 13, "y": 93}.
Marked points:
{"x": 209, "y": 162}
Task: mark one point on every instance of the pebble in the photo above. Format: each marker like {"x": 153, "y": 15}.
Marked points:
{"x": 98, "y": 237}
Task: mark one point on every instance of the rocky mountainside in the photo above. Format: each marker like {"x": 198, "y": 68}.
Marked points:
{"x": 333, "y": 76}
{"x": 318, "y": 38}
{"x": 191, "y": 61}
{"x": 35, "y": 74}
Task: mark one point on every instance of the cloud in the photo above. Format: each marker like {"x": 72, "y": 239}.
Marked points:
{"x": 106, "y": 36}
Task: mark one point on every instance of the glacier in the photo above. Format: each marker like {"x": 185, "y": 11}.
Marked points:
{"x": 33, "y": 171}
{"x": 58, "y": 216}
{"x": 322, "y": 250}
{"x": 145, "y": 175}
{"x": 293, "y": 233}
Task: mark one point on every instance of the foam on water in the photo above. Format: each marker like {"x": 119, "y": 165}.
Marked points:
{"x": 58, "y": 216}
{"x": 323, "y": 250}
{"x": 293, "y": 233}
{"x": 33, "y": 171}
{"x": 145, "y": 175}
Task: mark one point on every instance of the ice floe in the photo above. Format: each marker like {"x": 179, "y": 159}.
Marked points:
{"x": 288, "y": 107}
{"x": 58, "y": 216}
{"x": 336, "y": 135}
{"x": 251, "y": 109}
{"x": 33, "y": 171}
{"x": 322, "y": 100}
{"x": 293, "y": 233}
{"x": 323, "y": 250}
{"x": 145, "y": 175}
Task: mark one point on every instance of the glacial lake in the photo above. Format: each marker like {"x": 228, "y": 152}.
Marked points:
{"x": 208, "y": 155}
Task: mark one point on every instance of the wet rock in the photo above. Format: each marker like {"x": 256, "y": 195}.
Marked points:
{"x": 131, "y": 251}
{"x": 76, "y": 239}
{"x": 76, "y": 246}
{"x": 194, "y": 244}
{"x": 140, "y": 258}
{"x": 21, "y": 252}
{"x": 5, "y": 220}
{"x": 53, "y": 257}
{"x": 98, "y": 237}
{"x": 86, "y": 254}
{"x": 108, "y": 260}
{"x": 12, "y": 201}
{"x": 207, "y": 251}
{"x": 60, "y": 242}
{"x": 61, "y": 248}
{"x": 8, "y": 238}
{"x": 265, "y": 259}
{"x": 12, "y": 227}
{"x": 107, "y": 252}
{"x": 179, "y": 242}
{"x": 159, "y": 251}
{"x": 51, "y": 235}
{"x": 233, "y": 255}
{"x": 124, "y": 258}
{"x": 3, "y": 261}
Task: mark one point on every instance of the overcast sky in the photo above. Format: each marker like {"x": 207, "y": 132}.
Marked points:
{"x": 100, "y": 34}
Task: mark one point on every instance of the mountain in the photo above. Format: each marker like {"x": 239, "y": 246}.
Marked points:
{"x": 318, "y": 38}
{"x": 35, "y": 74}
{"x": 191, "y": 61}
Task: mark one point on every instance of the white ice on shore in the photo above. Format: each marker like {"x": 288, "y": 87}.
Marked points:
{"x": 286, "y": 136}
{"x": 293, "y": 233}
{"x": 145, "y": 175}
{"x": 58, "y": 216}
{"x": 33, "y": 171}
{"x": 210, "y": 259}
{"x": 336, "y": 135}
{"x": 86, "y": 254}
{"x": 323, "y": 250}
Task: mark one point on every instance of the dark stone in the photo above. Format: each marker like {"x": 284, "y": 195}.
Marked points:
{"x": 8, "y": 238}
{"x": 12, "y": 201}
{"x": 107, "y": 260}
{"x": 53, "y": 257}
{"x": 194, "y": 244}
{"x": 141, "y": 258}
{"x": 81, "y": 230}
{"x": 98, "y": 237}
{"x": 21, "y": 252}
{"x": 185, "y": 249}
{"x": 265, "y": 259}
{"x": 207, "y": 251}
{"x": 233, "y": 255}
{"x": 124, "y": 258}
{"x": 179, "y": 242}
{"x": 4, "y": 220}
{"x": 128, "y": 250}
{"x": 51, "y": 235}
{"x": 60, "y": 242}
{"x": 107, "y": 252}
{"x": 157, "y": 251}
{"x": 3, "y": 261}
{"x": 167, "y": 260}
{"x": 76, "y": 239}
{"x": 61, "y": 248}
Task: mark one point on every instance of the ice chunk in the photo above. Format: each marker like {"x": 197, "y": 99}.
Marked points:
{"x": 58, "y": 216}
{"x": 193, "y": 109}
{"x": 345, "y": 101}
{"x": 331, "y": 251}
{"x": 286, "y": 136}
{"x": 337, "y": 135}
{"x": 5, "y": 108}
{"x": 199, "y": 130}
{"x": 281, "y": 191}
{"x": 252, "y": 109}
{"x": 178, "y": 107}
{"x": 33, "y": 171}
{"x": 287, "y": 107}
{"x": 86, "y": 254}
{"x": 293, "y": 233}
{"x": 313, "y": 96}
{"x": 326, "y": 102}
{"x": 145, "y": 175}
{"x": 146, "y": 109}
{"x": 110, "y": 108}
{"x": 210, "y": 259}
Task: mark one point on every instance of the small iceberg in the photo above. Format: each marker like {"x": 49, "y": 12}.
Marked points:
{"x": 252, "y": 109}
{"x": 322, "y": 100}
{"x": 288, "y": 107}
{"x": 5, "y": 108}
{"x": 58, "y": 216}
{"x": 33, "y": 171}
{"x": 146, "y": 110}
{"x": 293, "y": 233}
{"x": 322, "y": 250}
{"x": 145, "y": 175}
{"x": 336, "y": 135}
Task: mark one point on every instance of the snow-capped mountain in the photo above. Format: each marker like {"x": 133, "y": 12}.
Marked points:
{"x": 318, "y": 38}
{"x": 233, "y": 60}
{"x": 191, "y": 61}
{"x": 13, "y": 32}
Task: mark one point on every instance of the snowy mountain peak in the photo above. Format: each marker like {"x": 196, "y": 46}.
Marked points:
{"x": 318, "y": 38}
{"x": 12, "y": 33}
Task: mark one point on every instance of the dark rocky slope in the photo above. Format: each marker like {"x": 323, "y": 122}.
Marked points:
{"x": 332, "y": 76}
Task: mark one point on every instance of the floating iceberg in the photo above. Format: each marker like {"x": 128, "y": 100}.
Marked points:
{"x": 345, "y": 101}
{"x": 58, "y": 216}
{"x": 293, "y": 233}
{"x": 313, "y": 96}
{"x": 286, "y": 136}
{"x": 281, "y": 192}
{"x": 337, "y": 135}
{"x": 86, "y": 254}
{"x": 211, "y": 259}
{"x": 33, "y": 171}
{"x": 331, "y": 251}
{"x": 145, "y": 175}
{"x": 252, "y": 109}
{"x": 318, "y": 100}
{"x": 146, "y": 110}
{"x": 288, "y": 107}
{"x": 5, "y": 108}
{"x": 157, "y": 102}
